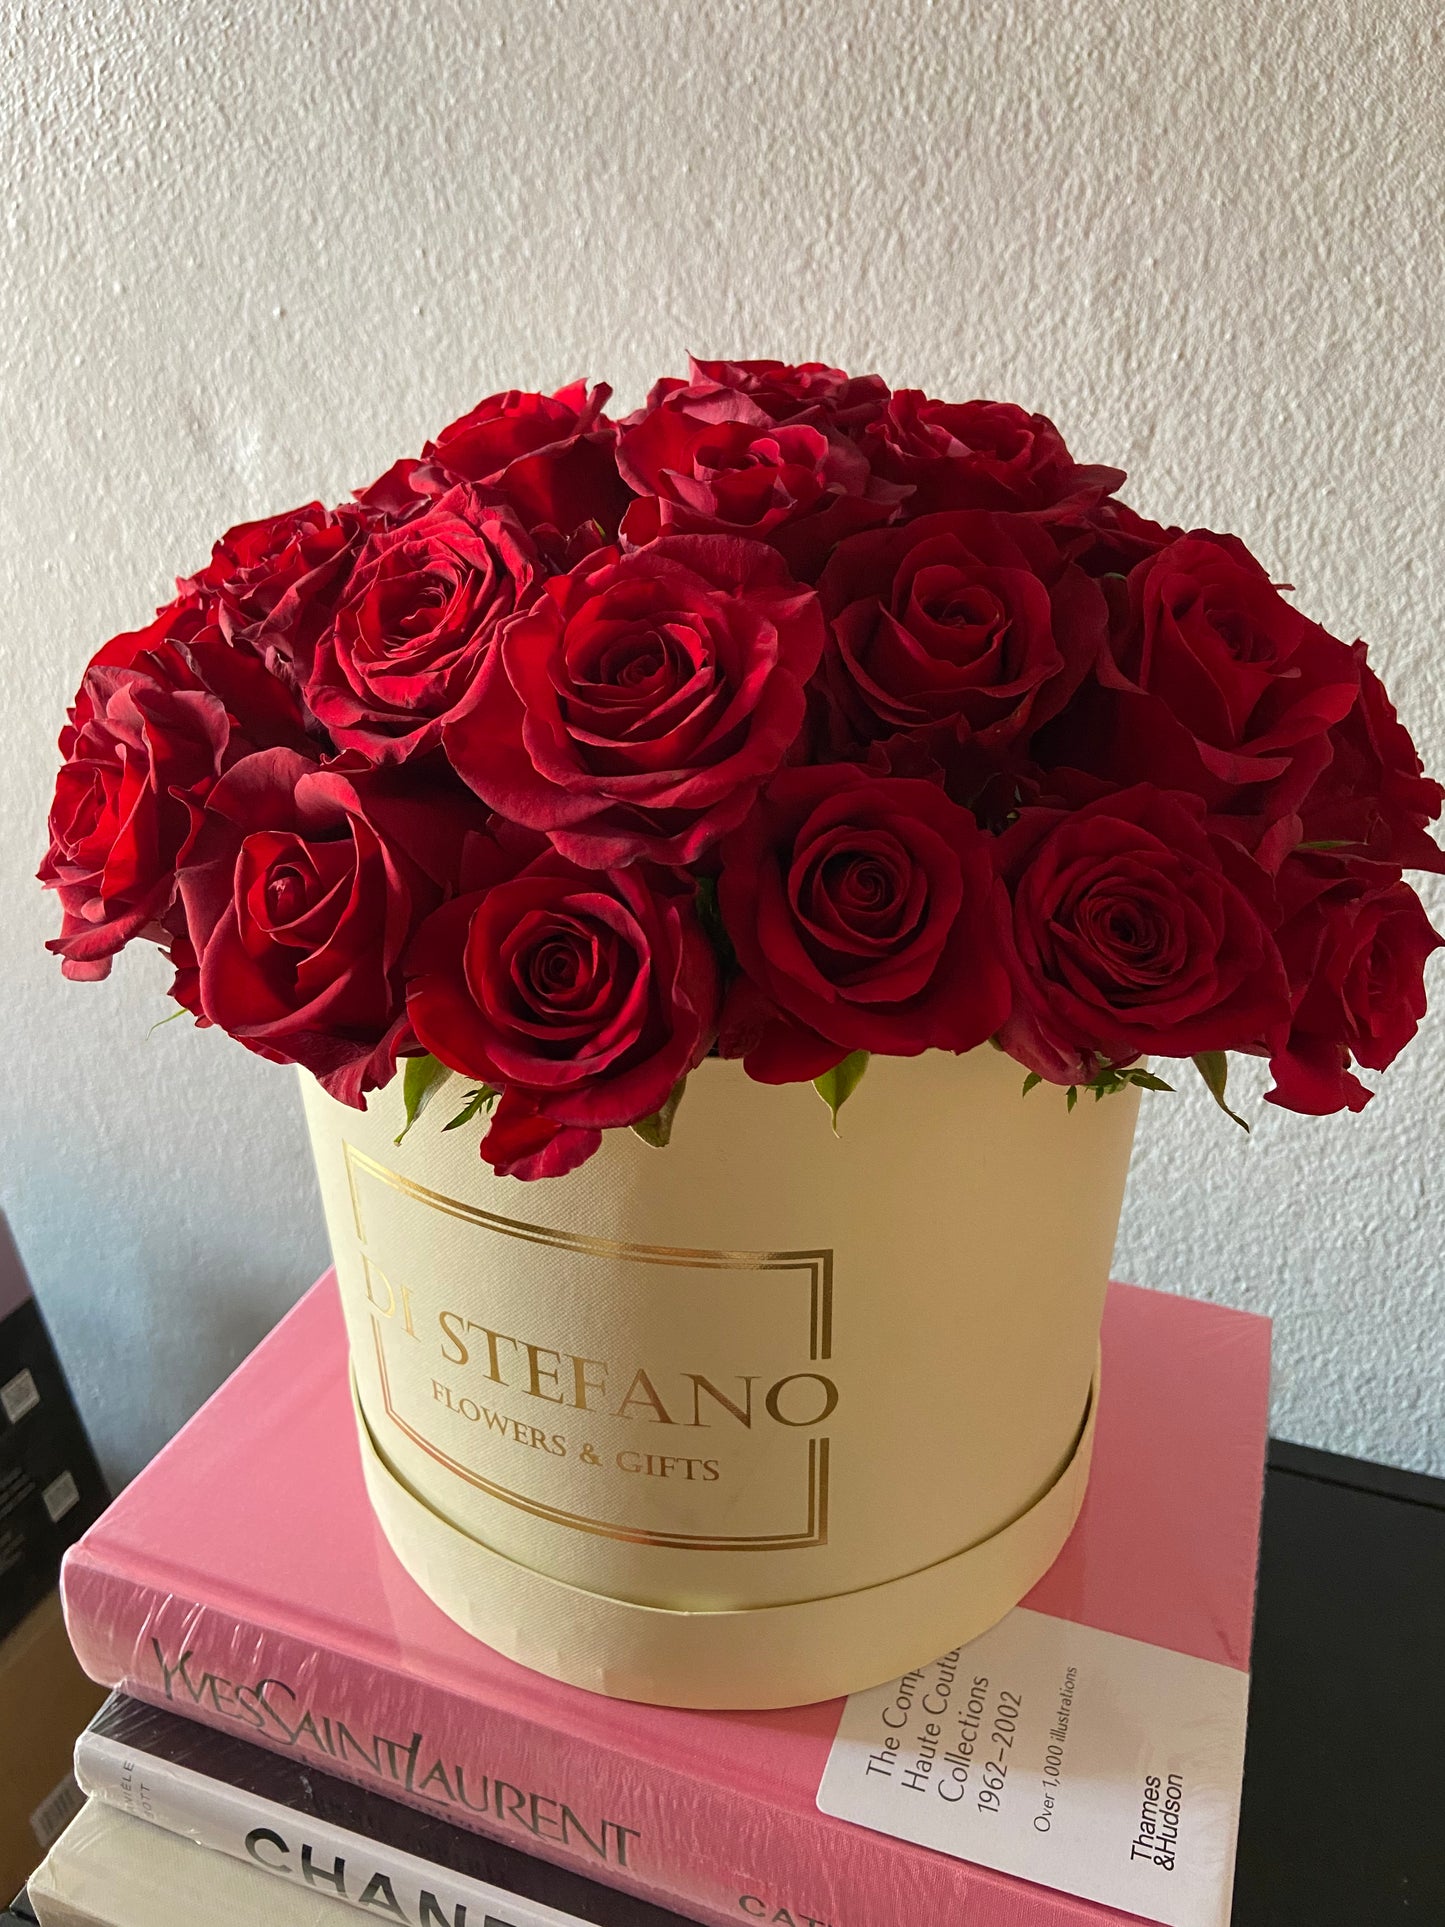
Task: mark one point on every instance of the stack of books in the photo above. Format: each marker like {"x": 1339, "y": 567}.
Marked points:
{"x": 298, "y": 1733}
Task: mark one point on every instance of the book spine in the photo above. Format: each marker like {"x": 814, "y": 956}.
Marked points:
{"x": 720, "y": 1856}
{"x": 300, "y": 1848}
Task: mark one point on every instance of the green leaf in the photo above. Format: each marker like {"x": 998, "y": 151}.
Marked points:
{"x": 1213, "y": 1067}
{"x": 836, "y": 1086}
{"x": 482, "y": 1098}
{"x": 657, "y": 1129}
{"x": 161, "y": 1022}
{"x": 1071, "y": 1096}
{"x": 1032, "y": 1082}
{"x": 1109, "y": 1078}
{"x": 418, "y": 1080}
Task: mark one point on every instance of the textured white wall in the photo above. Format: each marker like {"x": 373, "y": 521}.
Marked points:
{"x": 254, "y": 249}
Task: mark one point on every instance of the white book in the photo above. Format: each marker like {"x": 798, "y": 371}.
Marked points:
{"x": 107, "y": 1870}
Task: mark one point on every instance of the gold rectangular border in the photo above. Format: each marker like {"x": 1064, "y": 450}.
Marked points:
{"x": 817, "y": 1265}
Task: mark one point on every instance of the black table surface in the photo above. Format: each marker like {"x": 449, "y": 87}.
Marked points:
{"x": 1343, "y": 1823}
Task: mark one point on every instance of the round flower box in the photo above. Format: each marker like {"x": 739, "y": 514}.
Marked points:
{"x": 639, "y": 774}
{"x": 766, "y": 1417}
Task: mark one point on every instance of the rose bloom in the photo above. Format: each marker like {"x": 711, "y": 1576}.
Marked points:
{"x": 549, "y": 458}
{"x": 635, "y": 710}
{"x": 977, "y": 455}
{"x": 785, "y": 391}
{"x": 1135, "y": 931}
{"x": 969, "y": 623}
{"x": 1213, "y": 684}
{"x": 866, "y": 915}
{"x": 1355, "y": 942}
{"x": 160, "y": 714}
{"x": 1373, "y": 798}
{"x": 302, "y": 890}
{"x": 715, "y": 462}
{"x": 272, "y": 584}
{"x": 1109, "y": 539}
{"x": 421, "y": 610}
{"x": 582, "y": 995}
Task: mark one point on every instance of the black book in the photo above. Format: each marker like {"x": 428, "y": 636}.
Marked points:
{"x": 278, "y": 1813}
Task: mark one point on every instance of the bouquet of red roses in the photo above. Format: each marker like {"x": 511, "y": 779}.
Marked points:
{"x": 789, "y": 719}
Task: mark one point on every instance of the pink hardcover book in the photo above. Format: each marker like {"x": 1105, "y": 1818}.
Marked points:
{"x": 242, "y": 1580}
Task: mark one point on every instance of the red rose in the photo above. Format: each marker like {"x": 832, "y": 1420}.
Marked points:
{"x": 549, "y": 458}
{"x": 273, "y": 583}
{"x": 1355, "y": 943}
{"x": 300, "y": 896}
{"x": 710, "y": 460}
{"x": 583, "y": 995}
{"x": 143, "y": 748}
{"x": 1373, "y": 796}
{"x": 978, "y": 455}
{"x": 968, "y": 621}
{"x": 1213, "y": 684}
{"x": 161, "y": 712}
{"x": 421, "y": 610}
{"x": 1110, "y": 539}
{"x": 638, "y": 706}
{"x": 1135, "y": 932}
{"x": 787, "y": 392}
{"x": 865, "y": 915}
